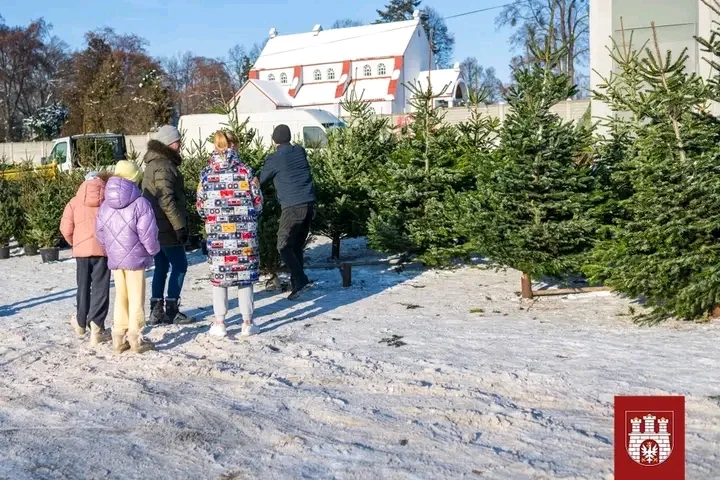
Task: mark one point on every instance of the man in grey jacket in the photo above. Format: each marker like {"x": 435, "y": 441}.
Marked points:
{"x": 289, "y": 170}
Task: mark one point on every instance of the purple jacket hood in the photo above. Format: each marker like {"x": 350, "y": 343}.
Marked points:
{"x": 126, "y": 227}
{"x": 119, "y": 193}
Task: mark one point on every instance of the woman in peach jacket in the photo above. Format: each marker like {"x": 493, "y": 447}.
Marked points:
{"x": 93, "y": 275}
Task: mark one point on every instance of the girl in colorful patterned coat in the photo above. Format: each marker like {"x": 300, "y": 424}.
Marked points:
{"x": 230, "y": 201}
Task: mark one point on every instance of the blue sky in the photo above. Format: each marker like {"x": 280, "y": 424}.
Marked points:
{"x": 211, "y": 28}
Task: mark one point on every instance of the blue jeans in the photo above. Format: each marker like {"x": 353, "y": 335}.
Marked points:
{"x": 169, "y": 257}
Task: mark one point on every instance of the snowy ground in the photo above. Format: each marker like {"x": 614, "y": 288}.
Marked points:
{"x": 399, "y": 377}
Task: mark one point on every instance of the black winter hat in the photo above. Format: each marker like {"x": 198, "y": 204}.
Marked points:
{"x": 281, "y": 135}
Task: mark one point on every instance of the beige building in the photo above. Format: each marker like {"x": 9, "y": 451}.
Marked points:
{"x": 676, "y": 22}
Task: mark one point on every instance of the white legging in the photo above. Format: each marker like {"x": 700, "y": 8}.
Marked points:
{"x": 245, "y": 301}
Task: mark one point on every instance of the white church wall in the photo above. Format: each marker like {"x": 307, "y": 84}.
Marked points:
{"x": 415, "y": 61}
{"x": 252, "y": 100}
{"x": 309, "y": 72}
{"x": 358, "y": 67}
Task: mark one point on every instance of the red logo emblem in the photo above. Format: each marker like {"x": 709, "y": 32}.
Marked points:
{"x": 230, "y": 259}
{"x": 226, "y": 193}
{"x": 650, "y": 438}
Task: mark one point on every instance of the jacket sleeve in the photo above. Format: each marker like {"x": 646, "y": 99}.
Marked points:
{"x": 268, "y": 171}
{"x": 201, "y": 196}
{"x": 67, "y": 224}
{"x": 255, "y": 191}
{"x": 164, "y": 180}
{"x": 100, "y": 228}
{"x": 147, "y": 227}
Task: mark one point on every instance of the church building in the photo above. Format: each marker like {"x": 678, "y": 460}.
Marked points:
{"x": 321, "y": 68}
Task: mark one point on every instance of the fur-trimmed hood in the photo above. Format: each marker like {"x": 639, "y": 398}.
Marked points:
{"x": 158, "y": 150}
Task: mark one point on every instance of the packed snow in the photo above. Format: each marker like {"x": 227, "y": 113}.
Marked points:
{"x": 408, "y": 374}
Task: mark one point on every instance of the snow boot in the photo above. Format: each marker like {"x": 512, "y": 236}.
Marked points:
{"x": 173, "y": 315}
{"x": 79, "y": 331}
{"x": 157, "y": 312}
{"x": 138, "y": 344}
{"x": 120, "y": 344}
{"x": 98, "y": 335}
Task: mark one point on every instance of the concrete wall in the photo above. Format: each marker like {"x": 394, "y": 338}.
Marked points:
{"x": 570, "y": 110}
{"x": 676, "y": 22}
{"x": 19, "y": 152}
{"x": 33, "y": 151}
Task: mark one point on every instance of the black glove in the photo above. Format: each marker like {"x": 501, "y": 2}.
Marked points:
{"x": 182, "y": 236}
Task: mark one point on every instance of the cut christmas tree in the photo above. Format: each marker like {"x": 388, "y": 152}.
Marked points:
{"x": 344, "y": 172}
{"x": 665, "y": 247}
{"x": 529, "y": 211}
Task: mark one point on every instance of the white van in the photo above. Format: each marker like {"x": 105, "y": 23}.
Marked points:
{"x": 309, "y": 126}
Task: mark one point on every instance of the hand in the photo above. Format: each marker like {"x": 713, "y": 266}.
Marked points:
{"x": 182, "y": 236}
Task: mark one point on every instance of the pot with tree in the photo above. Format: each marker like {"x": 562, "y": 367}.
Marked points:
{"x": 43, "y": 219}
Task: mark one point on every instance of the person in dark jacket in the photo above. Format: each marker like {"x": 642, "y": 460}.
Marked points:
{"x": 163, "y": 185}
{"x": 289, "y": 170}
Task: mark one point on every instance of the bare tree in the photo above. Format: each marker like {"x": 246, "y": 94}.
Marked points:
{"x": 346, "y": 23}
{"x": 531, "y": 19}
{"x": 21, "y": 56}
{"x": 479, "y": 78}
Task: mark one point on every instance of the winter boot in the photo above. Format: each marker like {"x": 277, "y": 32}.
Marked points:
{"x": 138, "y": 344}
{"x": 98, "y": 335}
{"x": 173, "y": 315}
{"x": 157, "y": 312}
{"x": 120, "y": 344}
{"x": 79, "y": 331}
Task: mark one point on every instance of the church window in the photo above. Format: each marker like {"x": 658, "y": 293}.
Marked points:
{"x": 382, "y": 70}
{"x": 367, "y": 71}
{"x": 331, "y": 74}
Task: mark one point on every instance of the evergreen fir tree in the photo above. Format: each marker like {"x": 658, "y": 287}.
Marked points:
{"x": 665, "y": 247}
{"x": 529, "y": 210}
{"x": 343, "y": 172}
{"x": 11, "y": 215}
{"x": 420, "y": 174}
{"x": 398, "y": 10}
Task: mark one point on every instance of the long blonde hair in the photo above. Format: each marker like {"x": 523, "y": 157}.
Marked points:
{"x": 221, "y": 141}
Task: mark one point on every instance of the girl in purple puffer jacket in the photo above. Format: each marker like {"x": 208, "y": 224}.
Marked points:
{"x": 127, "y": 230}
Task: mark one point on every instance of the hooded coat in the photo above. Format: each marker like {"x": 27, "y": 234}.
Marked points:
{"x": 78, "y": 221}
{"x": 126, "y": 227}
{"x": 164, "y": 187}
{"x": 230, "y": 201}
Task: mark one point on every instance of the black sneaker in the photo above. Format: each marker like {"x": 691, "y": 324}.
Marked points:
{"x": 297, "y": 293}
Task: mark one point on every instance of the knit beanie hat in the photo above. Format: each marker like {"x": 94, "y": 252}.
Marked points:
{"x": 128, "y": 171}
{"x": 167, "y": 135}
{"x": 281, "y": 135}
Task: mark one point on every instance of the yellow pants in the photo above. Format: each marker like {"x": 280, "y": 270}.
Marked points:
{"x": 129, "y": 309}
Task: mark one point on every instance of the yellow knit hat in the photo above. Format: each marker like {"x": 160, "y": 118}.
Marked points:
{"x": 127, "y": 170}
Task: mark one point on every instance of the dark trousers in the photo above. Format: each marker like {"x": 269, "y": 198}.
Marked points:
{"x": 174, "y": 261}
{"x": 292, "y": 234}
{"x": 93, "y": 291}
